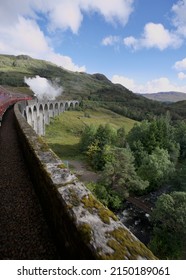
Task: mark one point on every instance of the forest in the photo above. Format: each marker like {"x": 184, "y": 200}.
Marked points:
{"x": 150, "y": 157}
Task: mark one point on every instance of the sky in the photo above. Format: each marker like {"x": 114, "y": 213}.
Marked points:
{"x": 140, "y": 44}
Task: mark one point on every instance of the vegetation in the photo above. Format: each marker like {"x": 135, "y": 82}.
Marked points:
{"x": 146, "y": 160}
{"x": 124, "y": 160}
{"x": 85, "y": 87}
{"x": 169, "y": 232}
{"x": 132, "y": 157}
{"x": 169, "y": 97}
{"x": 65, "y": 131}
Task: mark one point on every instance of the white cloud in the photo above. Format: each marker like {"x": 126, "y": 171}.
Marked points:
{"x": 131, "y": 42}
{"x": 180, "y": 65}
{"x": 110, "y": 40}
{"x": 179, "y": 19}
{"x": 25, "y": 37}
{"x": 126, "y": 82}
{"x": 154, "y": 36}
{"x": 20, "y": 33}
{"x": 162, "y": 84}
{"x": 65, "y": 61}
{"x": 181, "y": 76}
{"x": 112, "y": 10}
{"x": 65, "y": 14}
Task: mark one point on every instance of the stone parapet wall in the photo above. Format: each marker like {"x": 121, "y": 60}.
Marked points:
{"x": 81, "y": 224}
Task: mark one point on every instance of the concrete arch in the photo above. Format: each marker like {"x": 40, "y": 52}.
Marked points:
{"x": 51, "y": 110}
{"x": 34, "y": 118}
{"x": 38, "y": 114}
{"x": 46, "y": 114}
{"x": 61, "y": 107}
{"x": 41, "y": 107}
{"x": 66, "y": 106}
{"x": 40, "y": 119}
{"x": 70, "y": 105}
{"x": 29, "y": 116}
{"x": 56, "y": 109}
{"x": 75, "y": 104}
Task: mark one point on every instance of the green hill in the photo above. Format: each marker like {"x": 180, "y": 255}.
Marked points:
{"x": 169, "y": 97}
{"x": 63, "y": 134}
{"x": 81, "y": 86}
{"x": 13, "y": 69}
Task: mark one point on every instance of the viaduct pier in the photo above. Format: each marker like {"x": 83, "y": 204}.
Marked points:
{"x": 77, "y": 225}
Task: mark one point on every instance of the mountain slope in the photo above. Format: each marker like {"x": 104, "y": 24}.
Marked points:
{"x": 81, "y": 86}
{"x": 13, "y": 69}
{"x": 171, "y": 96}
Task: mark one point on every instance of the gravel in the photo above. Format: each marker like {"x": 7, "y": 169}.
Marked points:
{"x": 24, "y": 233}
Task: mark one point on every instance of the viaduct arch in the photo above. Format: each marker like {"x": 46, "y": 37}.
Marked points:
{"x": 38, "y": 114}
{"x": 86, "y": 228}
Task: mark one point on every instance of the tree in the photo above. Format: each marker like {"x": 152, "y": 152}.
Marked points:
{"x": 169, "y": 226}
{"x": 121, "y": 140}
{"x": 87, "y": 137}
{"x": 156, "y": 167}
{"x": 119, "y": 173}
{"x": 107, "y": 196}
{"x": 105, "y": 135}
{"x": 147, "y": 136}
{"x": 99, "y": 142}
{"x": 180, "y": 136}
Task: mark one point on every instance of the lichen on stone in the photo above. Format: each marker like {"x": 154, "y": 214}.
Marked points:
{"x": 125, "y": 246}
{"x": 74, "y": 199}
{"x": 86, "y": 232}
{"x": 92, "y": 204}
{"x": 61, "y": 166}
{"x": 43, "y": 145}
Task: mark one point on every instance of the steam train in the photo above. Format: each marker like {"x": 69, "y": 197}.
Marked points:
{"x": 8, "y": 98}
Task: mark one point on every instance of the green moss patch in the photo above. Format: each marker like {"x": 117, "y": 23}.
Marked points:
{"x": 126, "y": 247}
{"x": 74, "y": 199}
{"x": 62, "y": 166}
{"x": 92, "y": 204}
{"x": 86, "y": 232}
{"x": 44, "y": 147}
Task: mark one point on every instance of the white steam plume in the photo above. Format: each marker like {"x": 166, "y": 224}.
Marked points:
{"x": 43, "y": 88}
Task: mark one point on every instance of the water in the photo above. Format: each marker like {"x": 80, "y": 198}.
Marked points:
{"x": 137, "y": 221}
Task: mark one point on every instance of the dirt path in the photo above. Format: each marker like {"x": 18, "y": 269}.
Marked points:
{"x": 82, "y": 171}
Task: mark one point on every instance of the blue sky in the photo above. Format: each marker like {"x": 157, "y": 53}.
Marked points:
{"x": 138, "y": 43}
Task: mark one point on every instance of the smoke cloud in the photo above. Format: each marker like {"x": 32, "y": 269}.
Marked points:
{"x": 43, "y": 88}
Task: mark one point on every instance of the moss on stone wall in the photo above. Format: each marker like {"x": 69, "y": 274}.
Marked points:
{"x": 126, "y": 247}
{"x": 81, "y": 224}
{"x": 86, "y": 232}
{"x": 91, "y": 203}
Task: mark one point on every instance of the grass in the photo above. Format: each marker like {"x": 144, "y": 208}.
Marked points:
{"x": 64, "y": 132}
{"x": 13, "y": 69}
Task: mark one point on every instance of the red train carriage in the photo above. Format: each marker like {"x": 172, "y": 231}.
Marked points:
{"x": 7, "y": 99}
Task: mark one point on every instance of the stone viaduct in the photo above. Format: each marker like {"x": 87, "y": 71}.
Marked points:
{"x": 80, "y": 223}
{"x": 38, "y": 113}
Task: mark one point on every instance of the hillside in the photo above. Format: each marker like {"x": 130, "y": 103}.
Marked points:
{"x": 63, "y": 134}
{"x": 81, "y": 86}
{"x": 13, "y": 69}
{"x": 180, "y": 107}
{"x": 171, "y": 96}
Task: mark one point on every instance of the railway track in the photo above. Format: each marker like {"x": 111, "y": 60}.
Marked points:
{"x": 24, "y": 233}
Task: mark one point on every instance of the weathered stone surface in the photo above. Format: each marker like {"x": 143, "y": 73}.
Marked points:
{"x": 87, "y": 228}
